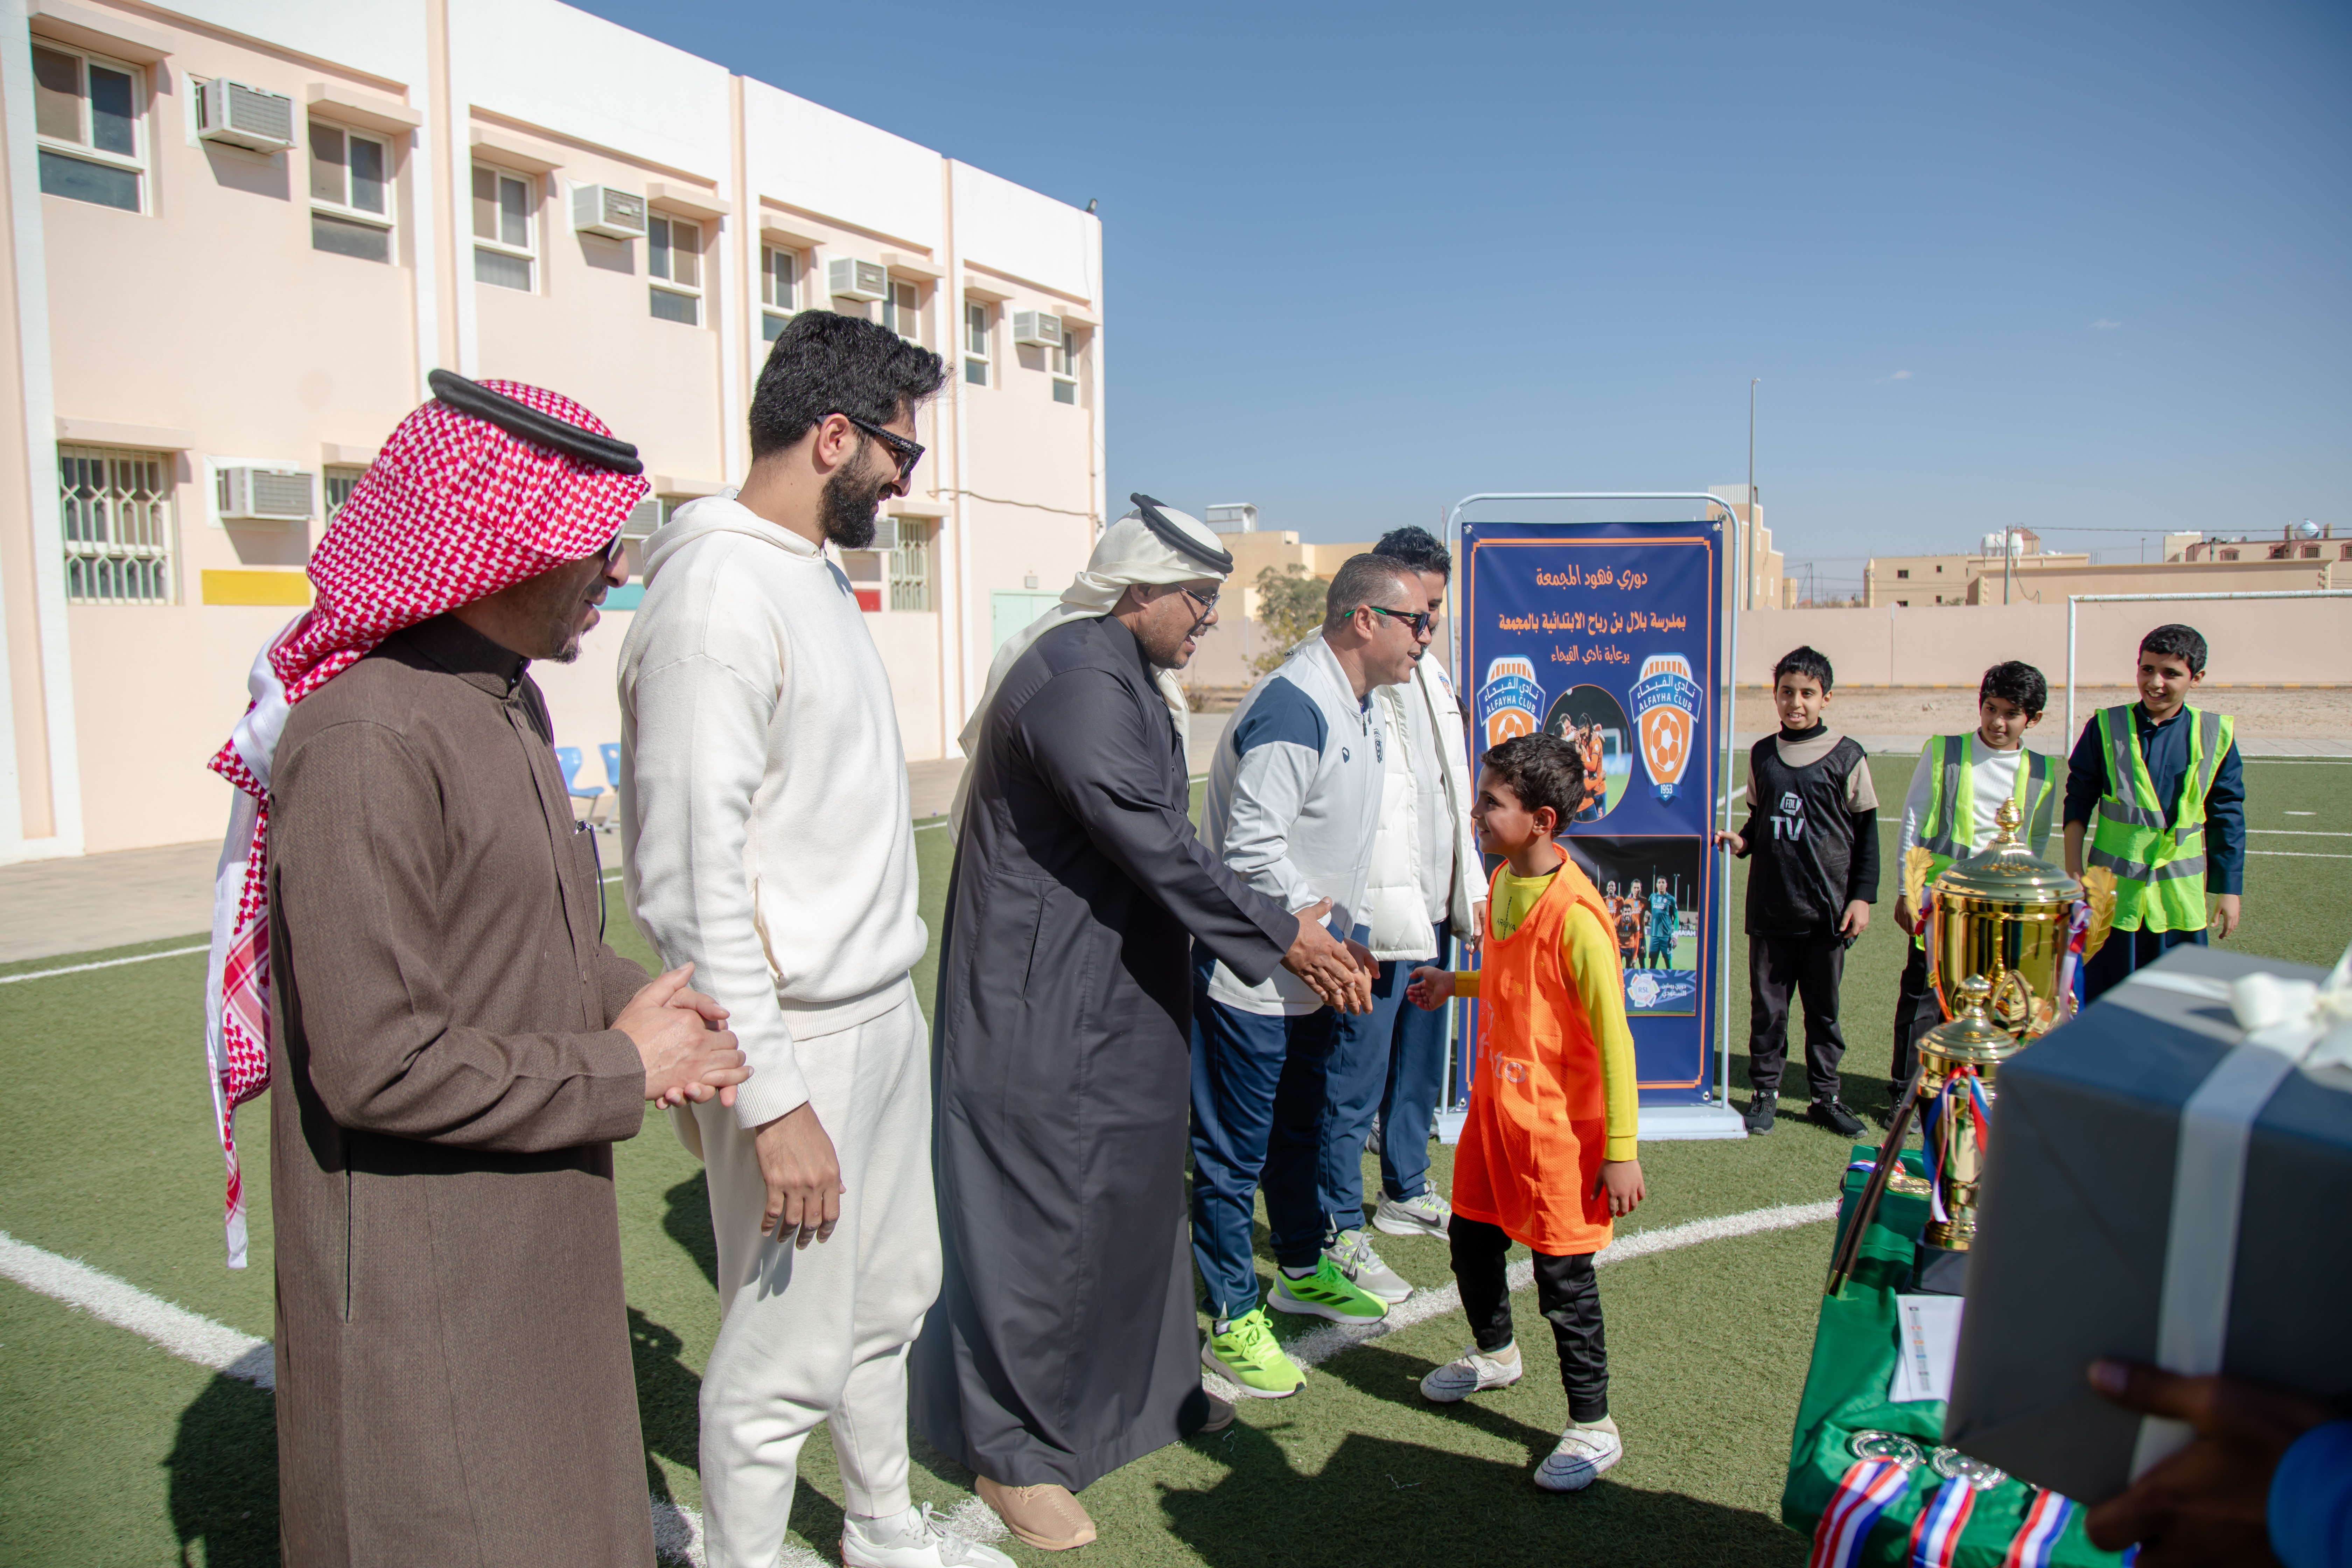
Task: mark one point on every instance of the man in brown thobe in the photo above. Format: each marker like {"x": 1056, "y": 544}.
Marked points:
{"x": 454, "y": 1047}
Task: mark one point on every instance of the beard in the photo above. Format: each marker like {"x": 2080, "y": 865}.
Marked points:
{"x": 848, "y": 503}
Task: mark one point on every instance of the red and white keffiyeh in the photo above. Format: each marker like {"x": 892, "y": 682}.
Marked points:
{"x": 453, "y": 510}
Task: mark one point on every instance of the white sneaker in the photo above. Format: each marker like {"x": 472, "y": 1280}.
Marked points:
{"x": 1352, "y": 1256}
{"x": 912, "y": 1540}
{"x": 1473, "y": 1370}
{"x": 1584, "y": 1453}
{"x": 1422, "y": 1216}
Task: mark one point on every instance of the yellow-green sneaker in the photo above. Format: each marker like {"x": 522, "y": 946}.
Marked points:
{"x": 1247, "y": 1355}
{"x": 1325, "y": 1293}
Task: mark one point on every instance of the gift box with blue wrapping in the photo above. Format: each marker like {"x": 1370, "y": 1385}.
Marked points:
{"x": 2166, "y": 1181}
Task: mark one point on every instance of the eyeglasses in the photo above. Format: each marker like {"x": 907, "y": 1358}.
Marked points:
{"x": 614, "y": 551}
{"x": 908, "y": 453}
{"x": 1419, "y": 620}
{"x": 1206, "y": 601}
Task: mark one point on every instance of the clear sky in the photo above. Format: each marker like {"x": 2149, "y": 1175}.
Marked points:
{"x": 2060, "y": 266}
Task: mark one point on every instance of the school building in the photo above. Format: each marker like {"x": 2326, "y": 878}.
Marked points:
{"x": 242, "y": 232}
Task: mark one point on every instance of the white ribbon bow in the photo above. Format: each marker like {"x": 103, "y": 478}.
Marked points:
{"x": 2310, "y": 1023}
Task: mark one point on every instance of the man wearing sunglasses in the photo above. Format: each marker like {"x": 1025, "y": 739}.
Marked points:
{"x": 1293, "y": 806}
{"x": 767, "y": 833}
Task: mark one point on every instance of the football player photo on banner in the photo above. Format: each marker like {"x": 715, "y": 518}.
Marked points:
{"x": 1609, "y": 637}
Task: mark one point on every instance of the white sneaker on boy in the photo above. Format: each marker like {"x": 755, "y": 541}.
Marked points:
{"x": 1582, "y": 1453}
{"x": 1470, "y": 1372}
{"x": 912, "y": 1540}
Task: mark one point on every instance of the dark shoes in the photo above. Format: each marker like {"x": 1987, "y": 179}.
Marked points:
{"x": 1759, "y": 1115}
{"x": 1834, "y": 1115}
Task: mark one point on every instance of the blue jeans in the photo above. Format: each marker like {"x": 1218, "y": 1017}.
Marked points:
{"x": 1258, "y": 1093}
{"x": 1416, "y": 1080}
{"x": 2128, "y": 950}
{"x": 1359, "y": 1080}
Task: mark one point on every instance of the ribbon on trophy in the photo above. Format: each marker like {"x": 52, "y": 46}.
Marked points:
{"x": 2037, "y": 1538}
{"x": 2289, "y": 1024}
{"x": 1881, "y": 1472}
{"x": 1963, "y": 1096}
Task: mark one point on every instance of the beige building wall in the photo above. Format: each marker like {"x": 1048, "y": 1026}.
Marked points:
{"x": 204, "y": 331}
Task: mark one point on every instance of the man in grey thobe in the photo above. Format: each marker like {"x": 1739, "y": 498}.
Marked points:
{"x": 1064, "y": 1343}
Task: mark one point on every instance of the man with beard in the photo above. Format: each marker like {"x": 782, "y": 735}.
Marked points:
{"x": 768, "y": 840}
{"x": 1065, "y": 1344}
{"x": 409, "y": 944}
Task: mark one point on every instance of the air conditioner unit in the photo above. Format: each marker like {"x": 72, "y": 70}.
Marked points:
{"x": 885, "y": 534}
{"x": 1039, "y": 327}
{"x": 849, "y": 278}
{"x": 601, "y": 209}
{"x": 244, "y": 116}
{"x": 643, "y": 519}
{"x": 263, "y": 495}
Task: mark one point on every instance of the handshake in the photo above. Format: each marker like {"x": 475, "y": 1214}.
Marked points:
{"x": 681, "y": 1037}
{"x": 1338, "y": 972}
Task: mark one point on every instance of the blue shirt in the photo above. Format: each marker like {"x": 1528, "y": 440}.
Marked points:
{"x": 2166, "y": 747}
{"x": 2310, "y": 1499}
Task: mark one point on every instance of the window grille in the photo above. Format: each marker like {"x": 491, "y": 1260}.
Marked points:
{"x": 86, "y": 117}
{"x": 341, "y": 481}
{"x": 911, "y": 566}
{"x": 115, "y": 508}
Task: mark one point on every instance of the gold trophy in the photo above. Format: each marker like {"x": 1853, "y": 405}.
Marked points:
{"x": 2001, "y": 927}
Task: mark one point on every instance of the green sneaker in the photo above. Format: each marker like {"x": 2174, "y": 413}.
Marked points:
{"x": 1325, "y": 1293}
{"x": 1247, "y": 1355}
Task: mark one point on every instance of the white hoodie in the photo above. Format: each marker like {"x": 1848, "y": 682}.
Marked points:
{"x": 765, "y": 827}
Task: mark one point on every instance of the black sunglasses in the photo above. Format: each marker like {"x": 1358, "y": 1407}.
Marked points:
{"x": 1419, "y": 620}
{"x": 908, "y": 453}
{"x": 612, "y": 552}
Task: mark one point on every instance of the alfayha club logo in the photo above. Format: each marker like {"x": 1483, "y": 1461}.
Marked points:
{"x": 1665, "y": 712}
{"x": 1510, "y": 703}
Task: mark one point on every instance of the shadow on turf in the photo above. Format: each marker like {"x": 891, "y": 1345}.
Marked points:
{"x": 1427, "y": 1504}
{"x": 223, "y": 1476}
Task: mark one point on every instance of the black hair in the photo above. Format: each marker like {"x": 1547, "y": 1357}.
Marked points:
{"x": 1541, "y": 770}
{"x": 1417, "y": 548}
{"x": 2182, "y": 643}
{"x": 1805, "y": 661}
{"x": 1362, "y": 579}
{"x": 2016, "y": 682}
{"x": 824, "y": 363}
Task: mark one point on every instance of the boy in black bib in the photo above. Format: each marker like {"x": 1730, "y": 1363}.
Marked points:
{"x": 1812, "y": 825}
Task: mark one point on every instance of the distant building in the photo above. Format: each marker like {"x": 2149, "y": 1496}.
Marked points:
{"x": 2028, "y": 574}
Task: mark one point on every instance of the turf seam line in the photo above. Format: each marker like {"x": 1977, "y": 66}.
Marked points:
{"x": 105, "y": 963}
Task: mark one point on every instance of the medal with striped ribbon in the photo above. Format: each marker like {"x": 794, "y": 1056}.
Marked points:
{"x": 2037, "y": 1538}
{"x": 1881, "y": 1472}
{"x": 1935, "y": 1538}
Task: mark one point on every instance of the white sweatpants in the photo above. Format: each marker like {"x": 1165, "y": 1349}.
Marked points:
{"x": 820, "y": 1334}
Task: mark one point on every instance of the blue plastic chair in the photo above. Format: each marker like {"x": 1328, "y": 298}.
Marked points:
{"x": 568, "y": 759}
{"x": 612, "y": 749}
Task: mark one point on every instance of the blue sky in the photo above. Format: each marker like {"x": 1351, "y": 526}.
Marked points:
{"x": 2061, "y": 266}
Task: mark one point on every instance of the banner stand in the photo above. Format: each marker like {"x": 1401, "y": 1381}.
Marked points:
{"x": 1702, "y": 1110}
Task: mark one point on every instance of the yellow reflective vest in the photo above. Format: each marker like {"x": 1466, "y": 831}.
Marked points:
{"x": 1949, "y": 831}
{"x": 2159, "y": 870}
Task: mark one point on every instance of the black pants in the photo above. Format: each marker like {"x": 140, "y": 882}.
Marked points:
{"x": 1566, "y": 1293}
{"x": 1917, "y": 1011}
{"x": 1810, "y": 965}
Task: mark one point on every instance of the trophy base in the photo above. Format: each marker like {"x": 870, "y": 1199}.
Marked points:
{"x": 1904, "y": 1182}
{"x": 1939, "y": 1272}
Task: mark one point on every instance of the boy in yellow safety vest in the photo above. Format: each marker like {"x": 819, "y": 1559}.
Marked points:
{"x": 2158, "y": 791}
{"x": 1959, "y": 784}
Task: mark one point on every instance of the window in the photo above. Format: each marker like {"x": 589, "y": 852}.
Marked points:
{"x": 975, "y": 343}
{"x": 2229, "y": 555}
{"x": 341, "y": 479}
{"x": 1903, "y": 572}
{"x": 350, "y": 194}
{"x": 911, "y": 565}
{"x": 116, "y": 509}
{"x": 504, "y": 206}
{"x": 900, "y": 312}
{"x": 1064, "y": 357}
{"x": 780, "y": 289}
{"x": 86, "y": 113}
{"x": 674, "y": 256}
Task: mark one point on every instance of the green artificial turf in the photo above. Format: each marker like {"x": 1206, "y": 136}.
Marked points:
{"x": 114, "y": 1452}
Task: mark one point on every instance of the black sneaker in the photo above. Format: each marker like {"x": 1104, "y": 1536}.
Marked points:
{"x": 1834, "y": 1115}
{"x": 1759, "y": 1115}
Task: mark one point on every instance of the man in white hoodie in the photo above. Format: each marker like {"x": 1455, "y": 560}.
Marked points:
{"x": 766, "y": 831}
{"x": 1428, "y": 885}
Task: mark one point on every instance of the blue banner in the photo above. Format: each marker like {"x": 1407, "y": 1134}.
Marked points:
{"x": 1610, "y": 635}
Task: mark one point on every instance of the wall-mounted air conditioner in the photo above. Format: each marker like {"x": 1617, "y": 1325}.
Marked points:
{"x": 1039, "y": 327}
{"x": 615, "y": 213}
{"x": 885, "y": 534}
{"x": 244, "y": 116}
{"x": 643, "y": 519}
{"x": 263, "y": 495}
{"x": 848, "y": 279}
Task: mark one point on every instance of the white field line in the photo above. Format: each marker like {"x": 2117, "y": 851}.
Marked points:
{"x": 105, "y": 963}
{"x": 2300, "y": 854}
{"x": 2299, "y": 832}
{"x": 677, "y": 1532}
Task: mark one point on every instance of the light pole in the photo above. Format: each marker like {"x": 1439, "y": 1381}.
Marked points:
{"x": 1748, "y": 593}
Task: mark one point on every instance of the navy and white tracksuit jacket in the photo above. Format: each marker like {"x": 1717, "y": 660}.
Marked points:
{"x": 1293, "y": 806}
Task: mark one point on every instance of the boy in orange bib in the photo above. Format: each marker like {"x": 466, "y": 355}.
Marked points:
{"x": 1547, "y": 1156}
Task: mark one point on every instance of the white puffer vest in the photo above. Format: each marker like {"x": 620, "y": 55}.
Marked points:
{"x": 1395, "y": 902}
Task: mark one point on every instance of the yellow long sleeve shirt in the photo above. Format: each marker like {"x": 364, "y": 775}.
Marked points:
{"x": 1589, "y": 955}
